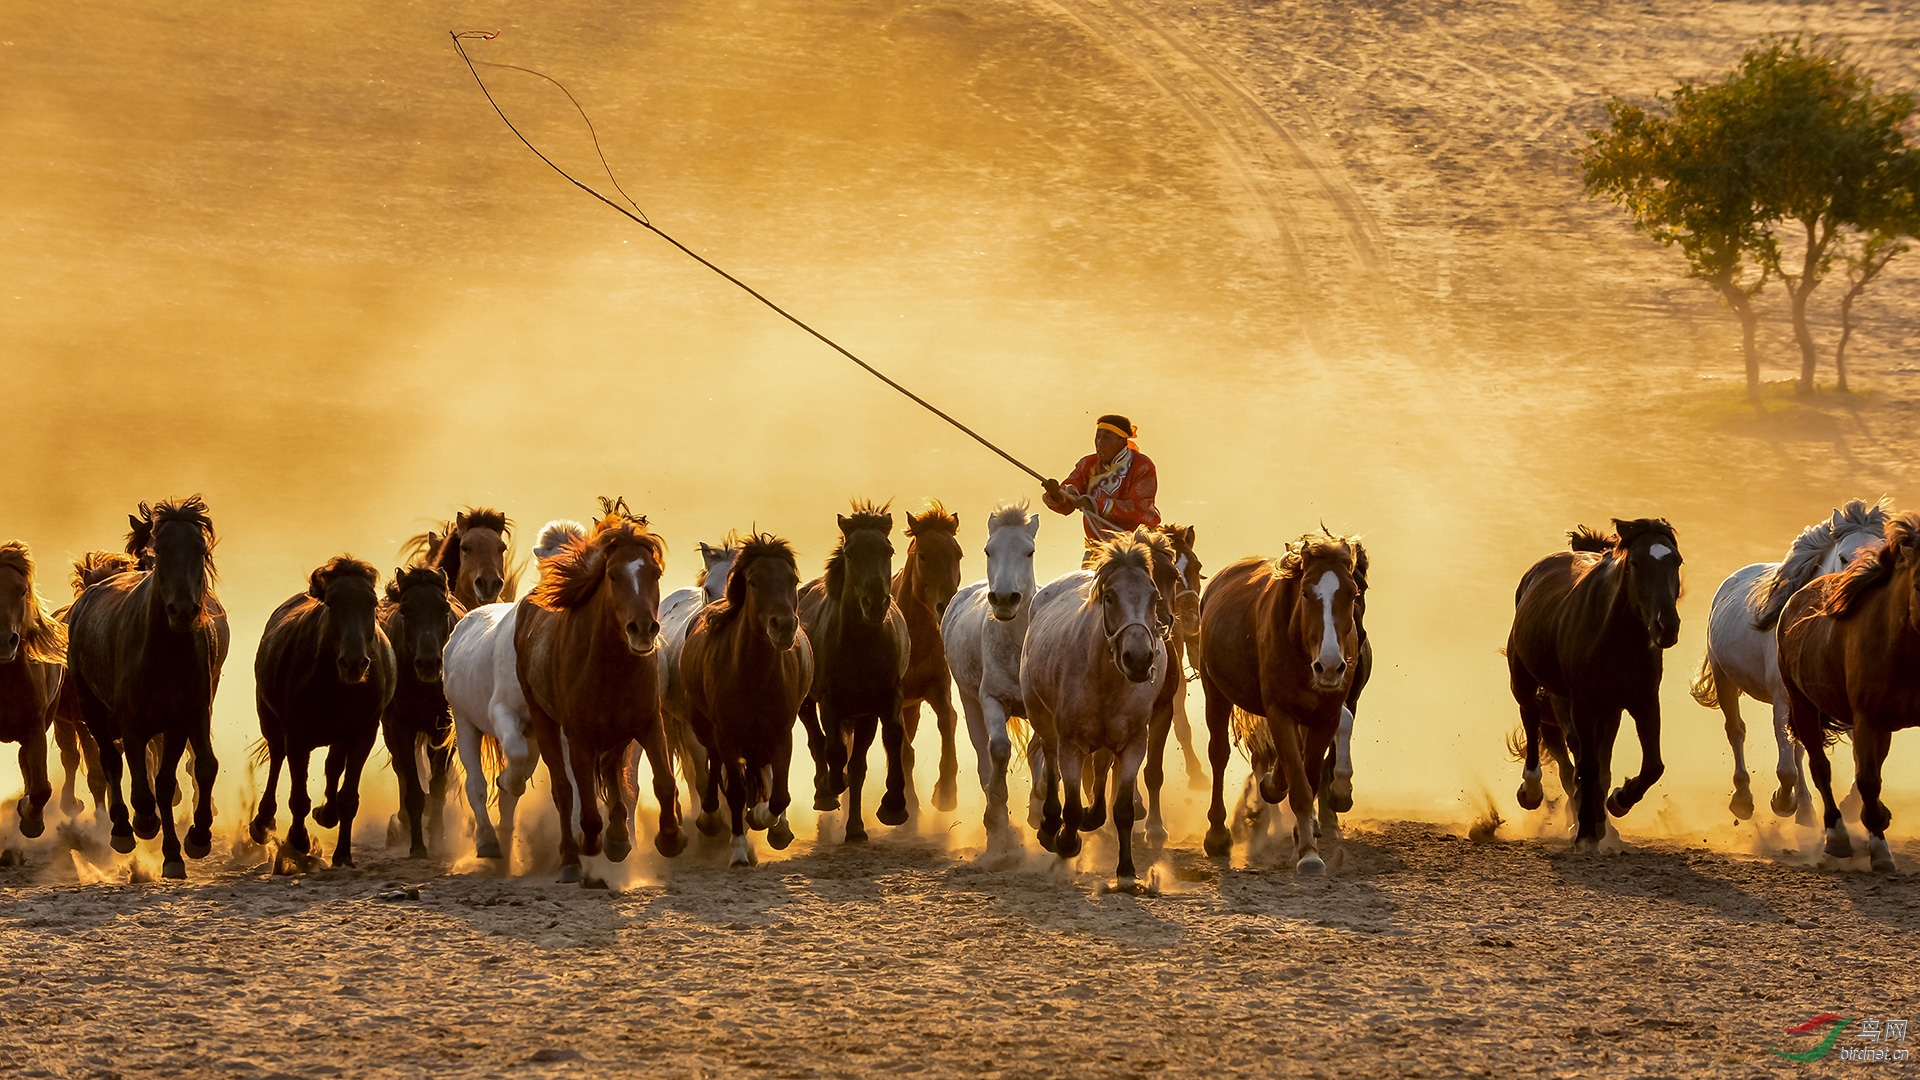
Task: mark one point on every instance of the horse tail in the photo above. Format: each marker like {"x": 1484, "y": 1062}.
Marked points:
{"x": 630, "y": 773}
{"x": 1517, "y": 744}
{"x": 1252, "y": 736}
{"x": 259, "y": 753}
{"x": 422, "y": 768}
{"x": 1020, "y": 734}
{"x": 493, "y": 760}
{"x": 1705, "y": 689}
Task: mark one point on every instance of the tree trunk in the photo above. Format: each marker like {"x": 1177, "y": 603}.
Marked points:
{"x": 1846, "y": 331}
{"x": 1742, "y": 306}
{"x": 1800, "y": 291}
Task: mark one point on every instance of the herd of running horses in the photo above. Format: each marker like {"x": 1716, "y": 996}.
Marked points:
{"x": 593, "y": 666}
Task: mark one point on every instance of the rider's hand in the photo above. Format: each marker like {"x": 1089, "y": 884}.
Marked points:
{"x": 1052, "y": 487}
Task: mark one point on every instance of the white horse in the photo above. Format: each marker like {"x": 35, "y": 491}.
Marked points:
{"x": 984, "y": 629}
{"x": 482, "y": 683}
{"x": 676, "y": 617}
{"x": 1742, "y": 659}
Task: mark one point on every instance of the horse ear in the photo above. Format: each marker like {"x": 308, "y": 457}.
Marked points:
{"x": 706, "y": 552}
{"x": 316, "y": 584}
{"x": 1838, "y": 520}
{"x": 843, "y": 523}
{"x": 397, "y": 575}
{"x": 1186, "y": 535}
{"x": 134, "y": 522}
{"x": 1033, "y": 525}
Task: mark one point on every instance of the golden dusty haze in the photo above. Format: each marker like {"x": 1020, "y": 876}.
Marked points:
{"x": 285, "y": 256}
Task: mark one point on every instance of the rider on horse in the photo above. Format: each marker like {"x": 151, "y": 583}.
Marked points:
{"x": 1113, "y": 487}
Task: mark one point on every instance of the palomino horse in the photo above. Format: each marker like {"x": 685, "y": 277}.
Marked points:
{"x": 144, "y": 650}
{"x": 1093, "y": 664}
{"x": 417, "y": 617}
{"x": 1741, "y": 655}
{"x": 983, "y": 631}
{"x": 1590, "y": 628}
{"x": 860, "y": 647}
{"x": 923, "y": 587}
{"x": 677, "y": 612}
{"x": 587, "y": 639}
{"x": 33, "y": 656}
{"x": 1850, "y": 662}
{"x": 1278, "y": 639}
{"x": 322, "y": 677}
{"x": 472, "y": 551}
{"x": 746, "y": 667}
{"x": 69, "y": 728}
{"x": 490, "y": 715}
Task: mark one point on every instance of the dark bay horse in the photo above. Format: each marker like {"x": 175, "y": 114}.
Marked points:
{"x": 922, "y": 588}
{"x": 322, "y": 677}
{"x": 1591, "y": 626}
{"x": 587, "y": 642}
{"x": 1184, "y": 644}
{"x": 1850, "y": 658}
{"x": 417, "y": 617}
{"x": 144, "y": 650}
{"x": 70, "y": 732}
{"x": 860, "y": 649}
{"x": 33, "y": 656}
{"x": 746, "y": 666}
{"x": 1278, "y": 640}
{"x": 472, "y": 551}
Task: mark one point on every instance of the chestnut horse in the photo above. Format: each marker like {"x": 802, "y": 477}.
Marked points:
{"x": 472, "y": 551}
{"x": 746, "y": 666}
{"x": 587, "y": 639}
{"x": 1590, "y": 629}
{"x": 924, "y": 585}
{"x": 69, "y": 728}
{"x": 1850, "y": 661}
{"x": 417, "y": 617}
{"x": 33, "y": 656}
{"x": 860, "y": 648}
{"x": 144, "y": 650}
{"x": 677, "y": 613}
{"x": 1093, "y": 665}
{"x": 322, "y": 677}
{"x": 1278, "y": 640}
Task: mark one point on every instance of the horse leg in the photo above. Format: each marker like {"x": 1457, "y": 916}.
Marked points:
{"x": 736, "y": 786}
{"x": 1727, "y": 695}
{"x": 1072, "y": 761}
{"x": 1182, "y": 727}
{"x": 1870, "y": 745}
{"x": 856, "y": 767}
{"x": 206, "y": 769}
{"x": 523, "y": 757}
{"x": 262, "y": 822}
{"x": 1646, "y": 727}
{"x": 1046, "y": 783}
{"x": 327, "y": 814}
{"x": 1526, "y": 694}
{"x": 413, "y": 800}
{"x": 1219, "y": 840}
{"x": 584, "y": 764}
{"x": 1156, "y": 750}
{"x": 112, "y": 766}
{"x": 780, "y": 833}
{"x": 1038, "y": 762}
{"x": 909, "y": 730}
{"x": 946, "y": 789}
{"x": 299, "y": 800}
{"x": 671, "y": 840}
{"x": 617, "y": 841}
{"x": 896, "y": 739}
{"x": 348, "y": 795}
{"x": 709, "y": 822}
{"x": 1791, "y": 796}
{"x": 1811, "y": 733}
{"x": 1095, "y": 790}
{"x": 1126, "y": 773}
{"x": 96, "y": 776}
{"x": 39, "y": 786}
{"x": 1292, "y": 765}
{"x": 167, "y": 778}
{"x": 981, "y": 731}
{"x": 553, "y": 747}
{"x": 486, "y": 843}
{"x": 440, "y": 760}
{"x": 1595, "y": 727}
{"x": 825, "y": 793}
{"x": 67, "y": 738}
{"x": 146, "y": 816}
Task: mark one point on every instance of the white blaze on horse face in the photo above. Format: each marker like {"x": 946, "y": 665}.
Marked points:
{"x": 1659, "y": 551}
{"x": 1325, "y": 590}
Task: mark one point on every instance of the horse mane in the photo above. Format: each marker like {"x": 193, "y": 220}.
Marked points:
{"x": 752, "y": 548}
{"x": 1360, "y": 565}
{"x": 191, "y": 510}
{"x": 555, "y": 535}
{"x": 413, "y": 577}
{"x": 1009, "y": 512}
{"x": 935, "y": 519}
{"x": 1875, "y": 565}
{"x": 570, "y": 577}
{"x": 97, "y": 566}
{"x": 730, "y": 544}
{"x": 1631, "y": 530}
{"x": 340, "y": 566}
{"x": 1320, "y": 545}
{"x": 865, "y": 516}
{"x": 43, "y": 639}
{"x": 1589, "y": 539}
{"x": 1133, "y": 551}
{"x": 1769, "y": 592}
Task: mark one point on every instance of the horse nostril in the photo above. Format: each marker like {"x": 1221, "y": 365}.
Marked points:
{"x": 633, "y": 628}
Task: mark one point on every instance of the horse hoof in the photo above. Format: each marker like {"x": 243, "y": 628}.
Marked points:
{"x": 1271, "y": 789}
{"x": 856, "y": 833}
{"x": 257, "y": 830}
{"x": 618, "y": 848}
{"x": 669, "y": 844}
{"x": 1342, "y": 803}
{"x": 1047, "y": 839}
{"x": 1197, "y": 779}
{"x": 417, "y": 851}
{"x": 709, "y": 824}
{"x": 570, "y": 874}
{"x": 146, "y": 826}
{"x": 122, "y": 842}
{"x": 1741, "y": 805}
{"x": 1090, "y": 822}
{"x": 946, "y": 795}
{"x": 173, "y": 869}
{"x": 1529, "y": 796}
{"x": 1882, "y": 857}
{"x": 31, "y": 827}
{"x": 1784, "y": 802}
{"x": 1156, "y": 838}
{"x": 197, "y": 844}
{"x": 325, "y": 816}
{"x": 780, "y": 835}
{"x": 1219, "y": 842}
{"x": 824, "y": 802}
{"x": 759, "y": 817}
{"x": 742, "y": 852}
{"x": 342, "y": 862}
{"x": 487, "y": 849}
{"x": 1617, "y": 806}
{"x": 1067, "y": 846}
{"x": 1586, "y": 845}
{"x": 1839, "y": 844}
{"x": 892, "y": 815}
{"x": 1310, "y": 866}
{"x": 395, "y": 834}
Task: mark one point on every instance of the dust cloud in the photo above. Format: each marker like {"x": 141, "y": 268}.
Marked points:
{"x": 289, "y": 259}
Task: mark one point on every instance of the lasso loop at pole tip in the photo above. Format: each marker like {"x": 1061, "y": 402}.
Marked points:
{"x": 639, "y": 217}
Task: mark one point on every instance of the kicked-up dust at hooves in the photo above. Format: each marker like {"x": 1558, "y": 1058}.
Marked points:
{"x": 548, "y": 696}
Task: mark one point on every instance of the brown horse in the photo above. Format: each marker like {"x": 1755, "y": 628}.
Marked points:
{"x": 1590, "y": 629}
{"x": 70, "y": 733}
{"x": 144, "y": 650}
{"x": 417, "y": 616}
{"x": 322, "y": 677}
{"x": 586, "y": 639}
{"x": 33, "y": 656}
{"x": 472, "y": 551}
{"x": 746, "y": 666}
{"x": 924, "y": 585}
{"x": 1185, "y": 642}
{"x": 1277, "y": 639}
{"x": 1850, "y": 658}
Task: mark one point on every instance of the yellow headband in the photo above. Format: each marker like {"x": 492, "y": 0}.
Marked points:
{"x": 1117, "y": 431}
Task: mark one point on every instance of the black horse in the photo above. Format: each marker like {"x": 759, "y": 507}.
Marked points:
{"x": 1590, "y": 626}
{"x": 322, "y": 677}
{"x": 859, "y": 639}
{"x": 144, "y": 650}
{"x": 418, "y": 616}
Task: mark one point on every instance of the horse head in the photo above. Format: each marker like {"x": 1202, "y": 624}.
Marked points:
{"x": 1010, "y": 535}
{"x": 423, "y": 618}
{"x": 1651, "y": 555}
{"x": 935, "y": 553}
{"x": 346, "y": 587}
{"x": 1324, "y": 621}
{"x": 860, "y": 573}
{"x": 181, "y": 541}
{"x": 1127, "y": 599}
{"x": 1854, "y": 528}
{"x": 635, "y": 561}
{"x": 1186, "y": 564}
{"x": 718, "y": 565}
{"x": 18, "y": 609}
{"x": 765, "y": 585}
{"x": 480, "y": 568}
